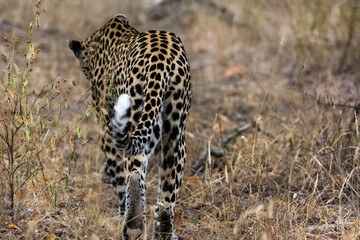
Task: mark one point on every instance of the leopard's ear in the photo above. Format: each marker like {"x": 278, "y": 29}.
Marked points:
{"x": 122, "y": 17}
{"x": 75, "y": 46}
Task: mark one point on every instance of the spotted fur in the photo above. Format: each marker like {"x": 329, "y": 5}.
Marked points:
{"x": 142, "y": 79}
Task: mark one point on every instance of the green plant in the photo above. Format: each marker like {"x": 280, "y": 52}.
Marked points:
{"x": 26, "y": 116}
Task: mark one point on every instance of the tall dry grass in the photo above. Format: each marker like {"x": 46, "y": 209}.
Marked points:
{"x": 289, "y": 69}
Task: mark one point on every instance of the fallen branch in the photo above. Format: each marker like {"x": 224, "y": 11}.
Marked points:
{"x": 338, "y": 225}
{"x": 199, "y": 165}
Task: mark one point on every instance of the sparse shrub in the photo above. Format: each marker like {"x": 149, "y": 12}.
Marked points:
{"x": 26, "y": 116}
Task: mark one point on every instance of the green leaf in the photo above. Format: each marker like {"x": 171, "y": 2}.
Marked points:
{"x": 37, "y": 109}
{"x": 66, "y": 105}
{"x": 79, "y": 132}
{"x": 15, "y": 82}
{"x": 30, "y": 133}
{"x": 88, "y": 112}
{"x": 74, "y": 158}
{"x": 8, "y": 77}
{"x": 234, "y": 135}
{"x": 32, "y": 51}
{"x": 50, "y": 190}
{"x": 66, "y": 180}
{"x": 31, "y": 118}
{"x": 24, "y": 86}
{"x": 56, "y": 193}
{"x": 30, "y": 148}
{"x": 17, "y": 69}
{"x": 72, "y": 155}
{"x": 69, "y": 166}
{"x": 17, "y": 155}
{"x": 48, "y": 103}
{"x": 9, "y": 70}
{"x": 56, "y": 118}
{"x": 104, "y": 111}
{"x": 38, "y": 21}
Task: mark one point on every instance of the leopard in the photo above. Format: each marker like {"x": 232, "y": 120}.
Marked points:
{"x": 141, "y": 89}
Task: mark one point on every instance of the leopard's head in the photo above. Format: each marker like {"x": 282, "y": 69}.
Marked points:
{"x": 90, "y": 52}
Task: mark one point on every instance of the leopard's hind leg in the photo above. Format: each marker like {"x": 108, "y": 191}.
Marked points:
{"x": 170, "y": 175}
{"x": 135, "y": 219}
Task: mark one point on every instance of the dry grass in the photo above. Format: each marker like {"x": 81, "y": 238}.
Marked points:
{"x": 289, "y": 68}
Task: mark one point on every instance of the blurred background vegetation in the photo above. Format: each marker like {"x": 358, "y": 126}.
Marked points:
{"x": 279, "y": 80}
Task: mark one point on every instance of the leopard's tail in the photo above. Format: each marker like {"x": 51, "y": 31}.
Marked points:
{"x": 143, "y": 136}
{"x": 121, "y": 121}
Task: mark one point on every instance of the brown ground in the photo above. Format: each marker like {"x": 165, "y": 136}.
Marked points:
{"x": 288, "y": 70}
